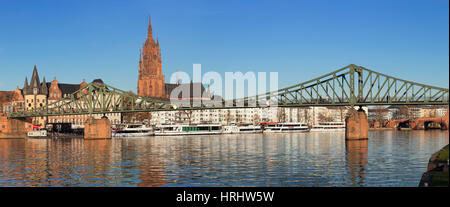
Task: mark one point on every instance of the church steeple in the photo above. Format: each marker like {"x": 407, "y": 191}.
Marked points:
{"x": 151, "y": 81}
{"x": 44, "y": 88}
{"x": 25, "y": 86}
{"x": 149, "y": 31}
{"x": 34, "y": 82}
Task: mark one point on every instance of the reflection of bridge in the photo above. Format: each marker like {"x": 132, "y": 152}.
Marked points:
{"x": 420, "y": 122}
{"x": 349, "y": 86}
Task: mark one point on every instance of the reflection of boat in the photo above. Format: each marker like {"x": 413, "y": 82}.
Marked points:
{"x": 244, "y": 129}
{"x": 329, "y": 127}
{"x": 201, "y": 129}
{"x": 284, "y": 127}
{"x": 132, "y": 130}
{"x": 37, "y": 133}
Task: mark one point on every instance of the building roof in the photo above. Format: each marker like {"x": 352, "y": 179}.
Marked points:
{"x": 5, "y": 97}
{"x": 169, "y": 87}
{"x": 66, "y": 88}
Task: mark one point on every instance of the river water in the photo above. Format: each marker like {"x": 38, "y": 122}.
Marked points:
{"x": 388, "y": 158}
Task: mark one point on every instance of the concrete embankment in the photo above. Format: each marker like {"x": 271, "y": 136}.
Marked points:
{"x": 437, "y": 170}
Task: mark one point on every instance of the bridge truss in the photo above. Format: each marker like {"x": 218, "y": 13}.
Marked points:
{"x": 349, "y": 86}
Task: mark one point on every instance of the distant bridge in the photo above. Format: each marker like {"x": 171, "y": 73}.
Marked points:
{"x": 419, "y": 122}
{"x": 349, "y": 86}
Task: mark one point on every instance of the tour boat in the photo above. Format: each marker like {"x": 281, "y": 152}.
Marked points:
{"x": 329, "y": 127}
{"x": 244, "y": 129}
{"x": 284, "y": 127}
{"x": 132, "y": 130}
{"x": 37, "y": 133}
{"x": 193, "y": 129}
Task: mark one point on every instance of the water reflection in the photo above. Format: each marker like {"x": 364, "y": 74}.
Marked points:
{"x": 357, "y": 152}
{"x": 388, "y": 158}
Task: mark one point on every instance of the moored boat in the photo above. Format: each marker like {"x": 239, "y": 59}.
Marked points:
{"x": 37, "y": 133}
{"x": 284, "y": 127}
{"x": 132, "y": 130}
{"x": 243, "y": 129}
{"x": 329, "y": 127}
{"x": 193, "y": 129}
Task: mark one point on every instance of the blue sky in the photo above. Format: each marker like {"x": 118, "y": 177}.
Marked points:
{"x": 72, "y": 40}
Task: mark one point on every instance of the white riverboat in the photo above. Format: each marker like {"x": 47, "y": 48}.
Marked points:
{"x": 132, "y": 130}
{"x": 284, "y": 127}
{"x": 37, "y": 133}
{"x": 329, "y": 127}
{"x": 243, "y": 129}
{"x": 193, "y": 129}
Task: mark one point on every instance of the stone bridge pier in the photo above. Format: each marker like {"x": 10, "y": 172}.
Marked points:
{"x": 357, "y": 126}
{"x": 97, "y": 128}
{"x": 14, "y": 128}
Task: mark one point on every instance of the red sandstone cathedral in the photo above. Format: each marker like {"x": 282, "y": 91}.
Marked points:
{"x": 151, "y": 80}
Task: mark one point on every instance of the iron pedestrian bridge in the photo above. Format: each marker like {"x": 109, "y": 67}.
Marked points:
{"x": 349, "y": 86}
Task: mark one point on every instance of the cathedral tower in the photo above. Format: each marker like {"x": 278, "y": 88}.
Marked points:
{"x": 151, "y": 80}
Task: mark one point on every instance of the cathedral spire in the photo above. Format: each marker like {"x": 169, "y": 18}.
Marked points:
{"x": 44, "y": 89}
{"x": 25, "y": 85}
{"x": 151, "y": 81}
{"x": 34, "y": 82}
{"x": 149, "y": 31}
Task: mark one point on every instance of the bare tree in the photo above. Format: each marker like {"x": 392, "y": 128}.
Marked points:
{"x": 324, "y": 118}
{"x": 228, "y": 117}
{"x": 256, "y": 119}
{"x": 341, "y": 114}
{"x": 403, "y": 112}
{"x": 136, "y": 117}
{"x": 187, "y": 113}
{"x": 281, "y": 115}
{"x": 380, "y": 113}
{"x": 306, "y": 116}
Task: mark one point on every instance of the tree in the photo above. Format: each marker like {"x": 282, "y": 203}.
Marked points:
{"x": 228, "y": 117}
{"x": 188, "y": 114}
{"x": 136, "y": 117}
{"x": 403, "y": 112}
{"x": 324, "y": 118}
{"x": 380, "y": 113}
{"x": 281, "y": 115}
{"x": 341, "y": 113}
{"x": 256, "y": 119}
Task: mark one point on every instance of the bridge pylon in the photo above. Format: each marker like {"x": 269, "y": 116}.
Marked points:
{"x": 357, "y": 126}
{"x": 97, "y": 128}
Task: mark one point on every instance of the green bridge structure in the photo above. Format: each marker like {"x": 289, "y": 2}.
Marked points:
{"x": 349, "y": 86}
